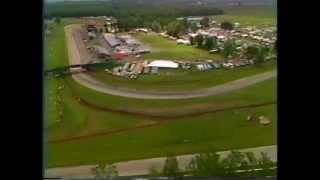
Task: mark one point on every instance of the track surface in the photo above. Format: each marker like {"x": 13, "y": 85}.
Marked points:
{"x": 141, "y": 167}
{"x": 77, "y": 55}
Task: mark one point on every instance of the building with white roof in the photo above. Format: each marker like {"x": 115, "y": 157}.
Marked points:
{"x": 163, "y": 64}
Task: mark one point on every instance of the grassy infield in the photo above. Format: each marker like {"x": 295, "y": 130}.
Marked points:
{"x": 250, "y": 16}
{"x": 164, "y": 49}
{"x": 221, "y": 130}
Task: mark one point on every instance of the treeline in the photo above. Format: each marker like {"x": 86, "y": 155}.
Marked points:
{"x": 78, "y": 9}
{"x": 129, "y": 15}
{"x": 211, "y": 164}
{"x": 236, "y": 164}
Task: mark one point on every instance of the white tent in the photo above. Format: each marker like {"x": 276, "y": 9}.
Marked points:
{"x": 183, "y": 41}
{"x": 163, "y": 64}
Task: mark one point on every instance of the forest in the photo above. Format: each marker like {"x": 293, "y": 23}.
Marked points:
{"x": 129, "y": 15}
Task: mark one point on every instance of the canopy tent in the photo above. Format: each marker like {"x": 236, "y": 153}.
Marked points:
{"x": 163, "y": 64}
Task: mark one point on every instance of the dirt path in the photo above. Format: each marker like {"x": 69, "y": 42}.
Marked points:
{"x": 92, "y": 83}
{"x": 141, "y": 167}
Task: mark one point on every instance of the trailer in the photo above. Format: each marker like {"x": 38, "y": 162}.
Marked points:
{"x": 77, "y": 70}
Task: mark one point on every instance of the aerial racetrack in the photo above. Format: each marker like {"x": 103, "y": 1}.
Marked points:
{"x": 101, "y": 126}
{"x": 95, "y": 84}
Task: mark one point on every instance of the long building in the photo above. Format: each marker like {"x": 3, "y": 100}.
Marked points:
{"x": 111, "y": 39}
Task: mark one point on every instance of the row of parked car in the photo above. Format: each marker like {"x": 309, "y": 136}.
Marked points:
{"x": 226, "y": 65}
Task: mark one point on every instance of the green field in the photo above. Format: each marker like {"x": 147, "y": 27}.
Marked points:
{"x": 221, "y": 130}
{"x": 162, "y": 48}
{"x": 258, "y": 11}
{"x": 250, "y": 16}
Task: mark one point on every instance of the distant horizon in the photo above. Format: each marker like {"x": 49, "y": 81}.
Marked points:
{"x": 77, "y": 0}
{"x": 160, "y": 0}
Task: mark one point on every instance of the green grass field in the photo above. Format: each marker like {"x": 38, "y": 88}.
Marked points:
{"x": 250, "y": 16}
{"x": 162, "y": 48}
{"x": 259, "y": 11}
{"x": 221, "y": 130}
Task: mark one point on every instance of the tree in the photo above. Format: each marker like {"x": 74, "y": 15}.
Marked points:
{"x": 111, "y": 170}
{"x": 153, "y": 171}
{"x": 252, "y": 160}
{"x": 176, "y": 28}
{"x": 251, "y": 51}
{"x": 171, "y": 167}
{"x": 265, "y": 161}
{"x": 185, "y": 23}
{"x": 104, "y": 170}
{"x": 235, "y": 164}
{"x": 205, "y": 22}
{"x": 264, "y": 164}
{"x": 156, "y": 26}
{"x": 227, "y": 25}
{"x": 228, "y": 48}
{"x": 199, "y": 39}
{"x": 207, "y": 164}
{"x": 58, "y": 20}
{"x": 172, "y": 29}
{"x": 193, "y": 27}
{"x": 210, "y": 42}
{"x": 191, "y": 39}
{"x": 235, "y": 161}
{"x": 261, "y": 55}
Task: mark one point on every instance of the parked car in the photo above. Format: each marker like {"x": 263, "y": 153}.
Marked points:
{"x": 200, "y": 67}
{"x": 228, "y": 65}
{"x": 216, "y": 65}
{"x": 246, "y": 62}
{"x": 242, "y": 64}
{"x": 213, "y": 51}
{"x": 236, "y": 64}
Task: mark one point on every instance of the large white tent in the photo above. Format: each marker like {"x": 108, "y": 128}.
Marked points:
{"x": 163, "y": 64}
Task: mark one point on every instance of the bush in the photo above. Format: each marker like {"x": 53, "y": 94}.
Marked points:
{"x": 235, "y": 164}
{"x": 227, "y": 25}
{"x": 171, "y": 168}
{"x": 205, "y": 22}
{"x": 176, "y": 28}
{"x": 229, "y": 48}
{"x": 153, "y": 171}
{"x": 199, "y": 40}
{"x": 156, "y": 26}
{"x": 206, "y": 165}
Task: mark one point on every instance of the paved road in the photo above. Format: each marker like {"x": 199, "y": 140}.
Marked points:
{"x": 92, "y": 83}
{"x": 141, "y": 167}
